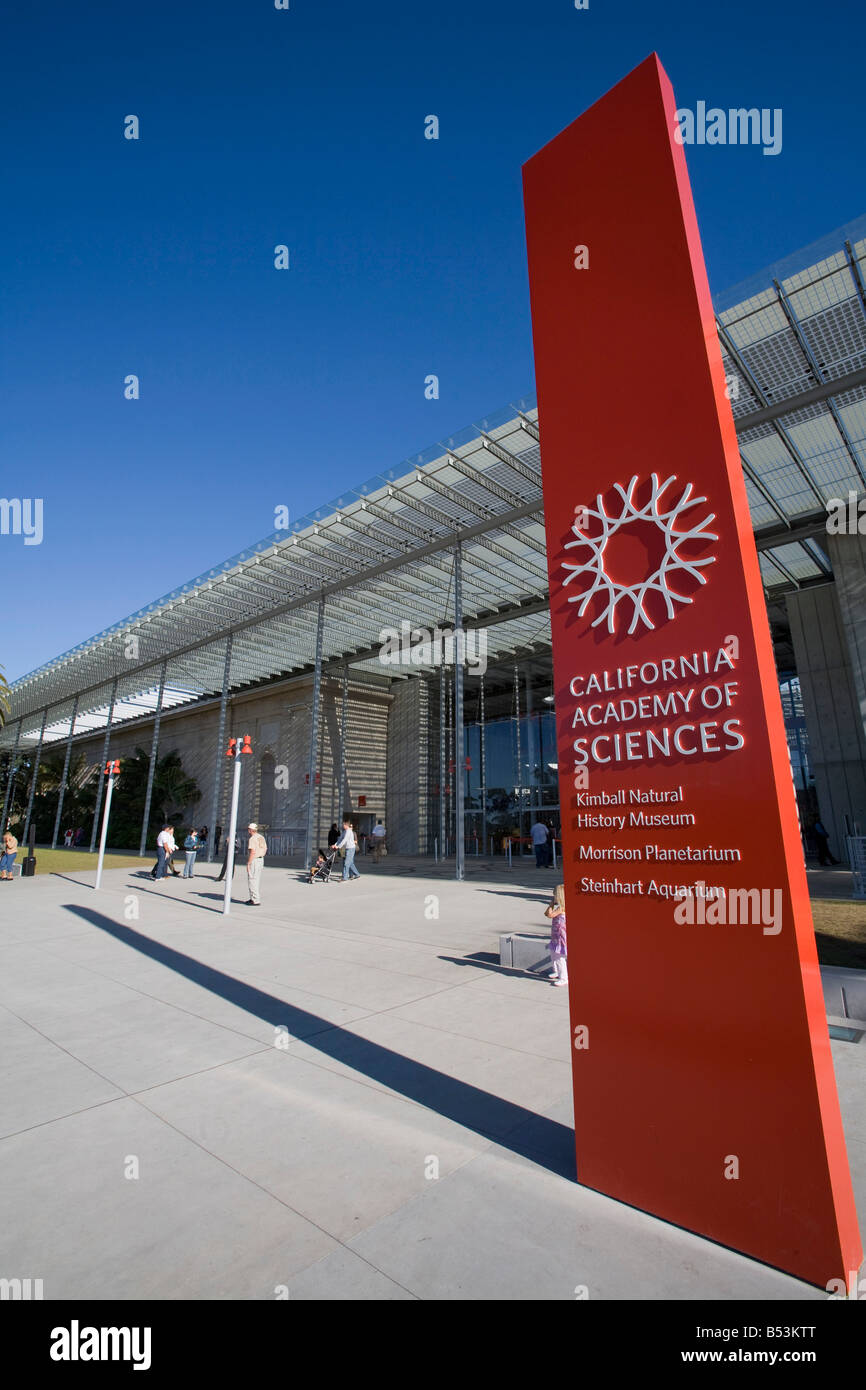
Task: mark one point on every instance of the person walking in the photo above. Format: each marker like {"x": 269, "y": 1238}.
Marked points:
{"x": 222, "y": 873}
{"x": 378, "y": 837}
{"x": 333, "y": 835}
{"x": 539, "y": 835}
{"x": 257, "y": 849}
{"x": 558, "y": 945}
{"x": 7, "y": 858}
{"x": 348, "y": 842}
{"x": 191, "y": 846}
{"x": 165, "y": 848}
{"x": 67, "y": 839}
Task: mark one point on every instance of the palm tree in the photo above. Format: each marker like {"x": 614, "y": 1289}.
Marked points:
{"x": 7, "y": 760}
{"x": 79, "y": 797}
{"x": 50, "y": 773}
{"x": 173, "y": 791}
{"x": 4, "y": 698}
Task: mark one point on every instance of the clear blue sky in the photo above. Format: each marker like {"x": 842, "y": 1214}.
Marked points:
{"x": 305, "y": 127}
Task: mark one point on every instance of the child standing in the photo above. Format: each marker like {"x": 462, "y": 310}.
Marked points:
{"x": 558, "y": 945}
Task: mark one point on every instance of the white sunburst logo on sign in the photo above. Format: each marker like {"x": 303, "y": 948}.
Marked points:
{"x": 661, "y": 511}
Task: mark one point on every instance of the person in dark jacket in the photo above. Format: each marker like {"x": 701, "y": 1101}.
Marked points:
{"x": 822, "y": 844}
{"x": 192, "y": 845}
{"x": 238, "y": 849}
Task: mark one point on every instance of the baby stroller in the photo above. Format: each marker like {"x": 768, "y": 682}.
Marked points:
{"x": 320, "y": 872}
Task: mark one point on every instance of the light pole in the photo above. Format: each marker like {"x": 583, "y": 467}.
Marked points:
{"x": 111, "y": 771}
{"x": 234, "y": 750}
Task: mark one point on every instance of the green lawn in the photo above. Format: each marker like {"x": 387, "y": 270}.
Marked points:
{"x": 840, "y": 931}
{"x": 58, "y": 861}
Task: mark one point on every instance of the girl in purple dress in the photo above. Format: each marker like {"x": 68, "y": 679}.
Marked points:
{"x": 558, "y": 946}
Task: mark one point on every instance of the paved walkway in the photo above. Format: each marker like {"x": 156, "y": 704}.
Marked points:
{"x": 338, "y": 1094}
{"x": 835, "y": 882}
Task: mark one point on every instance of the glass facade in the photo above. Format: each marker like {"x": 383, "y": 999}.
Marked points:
{"x": 510, "y": 769}
{"x": 520, "y": 776}
{"x": 510, "y": 765}
{"x": 795, "y": 727}
{"x": 798, "y": 751}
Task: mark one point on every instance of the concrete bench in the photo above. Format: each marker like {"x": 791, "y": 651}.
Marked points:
{"x": 844, "y": 991}
{"x": 521, "y": 951}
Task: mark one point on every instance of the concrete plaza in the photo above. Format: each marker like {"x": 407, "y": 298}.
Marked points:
{"x": 334, "y": 1095}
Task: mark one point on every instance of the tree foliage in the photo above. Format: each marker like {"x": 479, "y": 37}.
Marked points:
{"x": 174, "y": 793}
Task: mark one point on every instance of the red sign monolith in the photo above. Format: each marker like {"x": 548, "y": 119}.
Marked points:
{"x": 703, "y": 1080}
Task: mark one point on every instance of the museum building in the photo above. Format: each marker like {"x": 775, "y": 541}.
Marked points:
{"x": 333, "y": 643}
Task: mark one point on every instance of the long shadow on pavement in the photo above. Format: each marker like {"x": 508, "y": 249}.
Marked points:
{"x": 530, "y": 894}
{"x": 486, "y": 960}
{"x": 542, "y": 1140}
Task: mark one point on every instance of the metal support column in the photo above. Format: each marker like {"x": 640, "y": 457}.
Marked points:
{"x": 450, "y": 750}
{"x": 65, "y": 775}
{"x": 154, "y": 748}
{"x": 11, "y": 778}
{"x": 33, "y": 775}
{"x": 341, "y": 796}
{"x": 442, "y": 768}
{"x": 459, "y": 740}
{"x": 100, "y": 779}
{"x": 314, "y": 735}
{"x": 532, "y": 755}
{"x": 483, "y": 767}
{"x": 517, "y": 790}
{"x": 320, "y": 760}
{"x": 219, "y": 763}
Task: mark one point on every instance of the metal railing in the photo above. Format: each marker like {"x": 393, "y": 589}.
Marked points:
{"x": 284, "y": 843}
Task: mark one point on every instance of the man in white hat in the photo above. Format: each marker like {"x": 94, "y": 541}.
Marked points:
{"x": 257, "y": 849}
